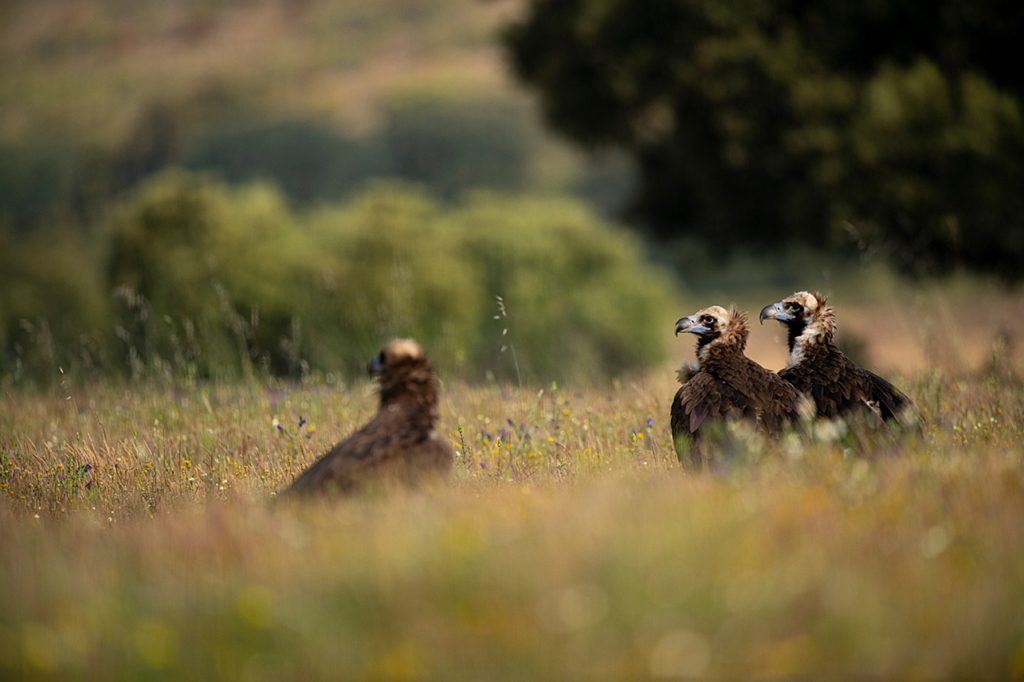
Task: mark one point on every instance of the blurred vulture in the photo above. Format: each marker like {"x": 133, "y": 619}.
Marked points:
{"x": 726, "y": 384}
{"x": 399, "y": 445}
{"x": 819, "y": 369}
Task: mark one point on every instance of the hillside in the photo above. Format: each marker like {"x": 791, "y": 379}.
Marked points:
{"x": 85, "y": 70}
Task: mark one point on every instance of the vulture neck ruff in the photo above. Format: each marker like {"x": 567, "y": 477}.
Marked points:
{"x": 411, "y": 386}
{"x": 821, "y": 330}
{"x": 732, "y": 339}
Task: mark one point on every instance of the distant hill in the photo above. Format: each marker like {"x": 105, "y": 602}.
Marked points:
{"x": 86, "y": 69}
{"x": 317, "y": 96}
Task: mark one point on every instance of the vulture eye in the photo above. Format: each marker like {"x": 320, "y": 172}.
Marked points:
{"x": 708, "y": 320}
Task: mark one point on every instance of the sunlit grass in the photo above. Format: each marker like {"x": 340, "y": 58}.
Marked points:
{"x": 141, "y": 537}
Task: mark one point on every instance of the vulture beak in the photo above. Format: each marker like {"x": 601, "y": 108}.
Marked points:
{"x": 774, "y": 311}
{"x": 690, "y": 325}
{"x": 375, "y": 367}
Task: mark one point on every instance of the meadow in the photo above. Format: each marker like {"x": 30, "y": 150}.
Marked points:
{"x": 141, "y": 538}
{"x": 191, "y": 210}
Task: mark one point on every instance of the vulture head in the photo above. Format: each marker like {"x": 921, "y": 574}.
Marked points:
{"x": 796, "y": 310}
{"x": 404, "y": 373}
{"x": 808, "y": 317}
{"x": 711, "y": 324}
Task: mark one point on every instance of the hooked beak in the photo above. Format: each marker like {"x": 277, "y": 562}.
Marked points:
{"x": 690, "y": 325}
{"x": 774, "y": 311}
{"x": 375, "y": 367}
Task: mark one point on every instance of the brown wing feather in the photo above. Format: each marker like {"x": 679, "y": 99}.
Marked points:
{"x": 383, "y": 449}
{"x": 781, "y": 405}
{"x": 701, "y": 398}
{"x": 891, "y": 401}
{"x": 838, "y": 385}
{"x": 341, "y": 466}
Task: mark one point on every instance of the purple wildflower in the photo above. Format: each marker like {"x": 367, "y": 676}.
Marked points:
{"x": 302, "y": 421}
{"x": 483, "y": 465}
{"x": 505, "y": 435}
{"x": 650, "y": 422}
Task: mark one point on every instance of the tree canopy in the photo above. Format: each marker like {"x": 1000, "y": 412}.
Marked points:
{"x": 894, "y": 124}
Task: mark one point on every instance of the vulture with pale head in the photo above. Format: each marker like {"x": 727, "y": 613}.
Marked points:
{"x": 399, "y": 445}
{"x": 726, "y": 383}
{"x": 819, "y": 369}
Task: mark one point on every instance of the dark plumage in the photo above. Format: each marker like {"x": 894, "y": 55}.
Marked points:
{"x": 399, "y": 444}
{"x": 819, "y": 369}
{"x": 726, "y": 383}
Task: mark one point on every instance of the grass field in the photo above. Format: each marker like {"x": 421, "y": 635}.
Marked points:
{"x": 140, "y": 539}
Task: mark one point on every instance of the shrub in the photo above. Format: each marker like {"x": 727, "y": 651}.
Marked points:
{"x": 386, "y": 266}
{"x": 203, "y": 275}
{"x": 201, "y": 279}
{"x": 579, "y": 299}
{"x": 53, "y": 315}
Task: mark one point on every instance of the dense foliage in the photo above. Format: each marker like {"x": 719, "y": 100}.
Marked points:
{"x": 193, "y": 277}
{"x": 896, "y": 124}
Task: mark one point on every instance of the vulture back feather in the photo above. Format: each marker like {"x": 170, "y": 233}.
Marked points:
{"x": 399, "y": 444}
{"x": 817, "y": 366}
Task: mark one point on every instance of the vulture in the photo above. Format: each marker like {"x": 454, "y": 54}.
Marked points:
{"x": 725, "y": 383}
{"x": 820, "y": 370}
{"x": 399, "y": 445}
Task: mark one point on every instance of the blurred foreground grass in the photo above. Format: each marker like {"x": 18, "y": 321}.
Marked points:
{"x": 140, "y": 540}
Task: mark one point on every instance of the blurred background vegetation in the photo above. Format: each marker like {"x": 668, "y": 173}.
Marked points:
{"x": 216, "y": 189}
{"x": 894, "y": 125}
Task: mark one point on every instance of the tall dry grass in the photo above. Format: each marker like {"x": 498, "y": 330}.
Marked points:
{"x": 141, "y": 539}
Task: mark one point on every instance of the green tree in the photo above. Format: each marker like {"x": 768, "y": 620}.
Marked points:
{"x": 760, "y": 124}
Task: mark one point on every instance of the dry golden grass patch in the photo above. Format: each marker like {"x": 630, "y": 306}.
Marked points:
{"x": 141, "y": 538}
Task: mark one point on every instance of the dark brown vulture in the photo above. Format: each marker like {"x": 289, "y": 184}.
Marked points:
{"x": 726, "y": 383}
{"x": 819, "y": 369}
{"x": 399, "y": 445}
